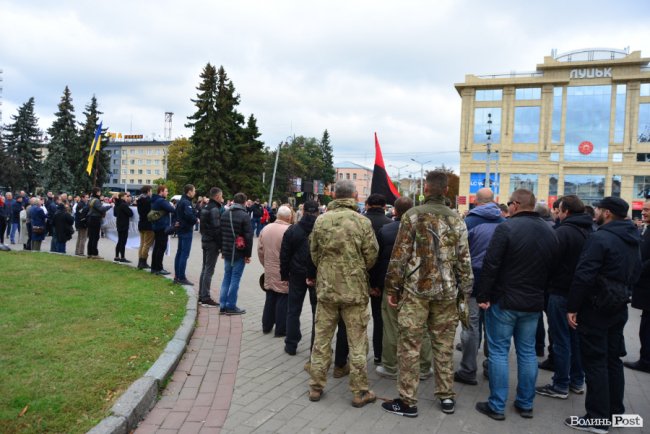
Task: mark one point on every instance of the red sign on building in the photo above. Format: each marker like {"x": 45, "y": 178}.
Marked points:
{"x": 461, "y": 200}
{"x": 586, "y": 147}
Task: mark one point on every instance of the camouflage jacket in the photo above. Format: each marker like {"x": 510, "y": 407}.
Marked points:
{"x": 343, "y": 247}
{"x": 430, "y": 258}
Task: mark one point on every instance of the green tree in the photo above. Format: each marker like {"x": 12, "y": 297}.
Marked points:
{"x": 250, "y": 162}
{"x": 22, "y": 143}
{"x": 83, "y": 181}
{"x": 61, "y": 149}
{"x": 453, "y": 181}
{"x": 327, "y": 152}
{"x": 178, "y": 161}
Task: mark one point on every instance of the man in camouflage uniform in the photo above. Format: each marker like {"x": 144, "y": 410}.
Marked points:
{"x": 343, "y": 247}
{"x": 429, "y": 271}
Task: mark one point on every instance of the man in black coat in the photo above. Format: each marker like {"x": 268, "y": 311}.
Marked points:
{"x": 210, "y": 218}
{"x": 641, "y": 296}
{"x": 235, "y": 226}
{"x": 573, "y": 230}
{"x": 144, "y": 226}
{"x": 294, "y": 262}
{"x": 516, "y": 270}
{"x": 609, "y": 256}
{"x": 123, "y": 214}
{"x": 376, "y": 212}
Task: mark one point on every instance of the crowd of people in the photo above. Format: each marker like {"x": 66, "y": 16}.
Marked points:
{"x": 496, "y": 270}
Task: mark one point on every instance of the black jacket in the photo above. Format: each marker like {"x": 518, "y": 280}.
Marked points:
{"x": 295, "y": 258}
{"x": 518, "y": 263}
{"x": 210, "y": 217}
{"x": 144, "y": 206}
{"x": 613, "y": 252}
{"x": 377, "y": 217}
{"x": 256, "y": 210}
{"x": 641, "y": 294}
{"x": 81, "y": 215}
{"x": 386, "y": 239}
{"x": 185, "y": 215}
{"x": 571, "y": 234}
{"x": 122, "y": 213}
{"x": 241, "y": 225}
{"x": 63, "y": 222}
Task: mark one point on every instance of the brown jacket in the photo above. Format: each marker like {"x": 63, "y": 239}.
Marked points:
{"x": 268, "y": 250}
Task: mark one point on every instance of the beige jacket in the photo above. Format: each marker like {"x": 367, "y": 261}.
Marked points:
{"x": 268, "y": 250}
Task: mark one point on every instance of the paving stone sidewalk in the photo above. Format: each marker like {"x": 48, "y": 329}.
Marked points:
{"x": 242, "y": 381}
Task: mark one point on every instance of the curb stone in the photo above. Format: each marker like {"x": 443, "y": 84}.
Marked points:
{"x": 140, "y": 397}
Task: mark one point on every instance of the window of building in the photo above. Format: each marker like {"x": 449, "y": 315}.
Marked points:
{"x": 132, "y": 151}
{"x": 123, "y": 181}
{"x": 139, "y": 171}
{"x": 347, "y": 176}
{"x": 116, "y": 152}
{"x": 481, "y": 124}
{"x": 156, "y": 172}
{"x": 521, "y": 180}
{"x": 527, "y": 124}
{"x": 140, "y": 151}
{"x": 477, "y": 181}
{"x": 139, "y": 161}
{"x": 148, "y": 181}
{"x": 114, "y": 181}
{"x": 528, "y": 93}
{"x": 132, "y": 172}
{"x": 587, "y": 123}
{"x": 619, "y": 116}
{"x": 524, "y": 156}
{"x": 340, "y": 176}
{"x": 552, "y": 186}
{"x": 556, "y": 128}
{"x": 645, "y": 89}
{"x": 644, "y": 123}
{"x": 114, "y": 162}
{"x": 116, "y": 171}
{"x": 139, "y": 181}
{"x": 617, "y": 157}
{"x": 148, "y": 171}
{"x": 641, "y": 186}
{"x": 131, "y": 181}
{"x": 123, "y": 171}
{"x": 589, "y": 188}
{"x": 554, "y": 156}
{"x": 643, "y": 158}
{"x": 616, "y": 185}
{"x": 123, "y": 151}
{"x": 354, "y": 176}
{"x": 156, "y": 162}
{"x": 124, "y": 162}
{"x": 489, "y": 94}
{"x": 149, "y": 151}
{"x": 482, "y": 156}
{"x": 132, "y": 161}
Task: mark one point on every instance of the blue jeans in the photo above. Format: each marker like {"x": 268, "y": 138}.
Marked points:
{"x": 182, "y": 253}
{"x": 566, "y": 346}
{"x": 230, "y": 285}
{"x": 59, "y": 247}
{"x": 15, "y": 227}
{"x": 502, "y": 325}
{"x": 256, "y": 224}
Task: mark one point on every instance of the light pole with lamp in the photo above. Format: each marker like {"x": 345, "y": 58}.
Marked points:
{"x": 275, "y": 168}
{"x": 421, "y": 178}
{"x": 488, "y": 145}
{"x": 399, "y": 181}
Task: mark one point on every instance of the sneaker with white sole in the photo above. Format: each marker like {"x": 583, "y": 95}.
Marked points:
{"x": 448, "y": 405}
{"x": 397, "y": 406}
{"x": 551, "y": 391}
{"x": 382, "y": 372}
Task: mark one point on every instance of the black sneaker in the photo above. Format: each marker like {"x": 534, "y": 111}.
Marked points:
{"x": 291, "y": 352}
{"x": 448, "y": 405}
{"x": 164, "y": 272}
{"x": 551, "y": 391}
{"x": 583, "y": 424}
{"x": 484, "y": 407}
{"x": 377, "y": 361}
{"x": 547, "y": 365}
{"x": 526, "y": 414}
{"x": 397, "y": 406}
{"x": 183, "y": 282}
{"x": 208, "y": 303}
{"x": 578, "y": 390}
{"x": 222, "y": 311}
{"x": 235, "y": 311}
{"x": 460, "y": 379}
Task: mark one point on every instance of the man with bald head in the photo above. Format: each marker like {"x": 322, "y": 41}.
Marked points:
{"x": 481, "y": 222}
{"x": 277, "y": 290}
{"x": 516, "y": 270}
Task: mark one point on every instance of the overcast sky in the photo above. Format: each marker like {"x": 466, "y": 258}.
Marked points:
{"x": 352, "y": 67}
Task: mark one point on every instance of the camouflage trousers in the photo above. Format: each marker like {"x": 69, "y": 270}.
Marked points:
{"x": 356, "y": 319}
{"x": 441, "y": 318}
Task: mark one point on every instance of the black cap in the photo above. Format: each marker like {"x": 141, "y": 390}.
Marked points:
{"x": 615, "y": 205}
{"x": 310, "y": 206}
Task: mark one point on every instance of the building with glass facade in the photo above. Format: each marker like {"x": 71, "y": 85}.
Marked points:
{"x": 579, "y": 124}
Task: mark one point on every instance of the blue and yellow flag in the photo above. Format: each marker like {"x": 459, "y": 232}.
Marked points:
{"x": 94, "y": 148}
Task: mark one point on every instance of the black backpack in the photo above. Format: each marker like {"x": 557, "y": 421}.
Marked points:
{"x": 82, "y": 216}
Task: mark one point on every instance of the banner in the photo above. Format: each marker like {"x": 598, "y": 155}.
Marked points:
{"x": 110, "y": 229}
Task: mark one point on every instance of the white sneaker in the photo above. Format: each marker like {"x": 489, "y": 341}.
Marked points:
{"x": 382, "y": 372}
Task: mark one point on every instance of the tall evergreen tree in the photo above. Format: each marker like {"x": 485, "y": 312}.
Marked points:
{"x": 8, "y": 164}
{"x": 329, "y": 173}
{"x": 22, "y": 143}
{"x": 217, "y": 130}
{"x": 250, "y": 161}
{"x": 83, "y": 181}
{"x": 59, "y": 165}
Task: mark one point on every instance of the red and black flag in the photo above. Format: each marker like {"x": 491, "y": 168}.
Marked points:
{"x": 381, "y": 182}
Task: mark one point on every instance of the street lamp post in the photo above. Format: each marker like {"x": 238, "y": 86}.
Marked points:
{"x": 488, "y": 145}
{"x": 421, "y": 177}
{"x": 399, "y": 182}
{"x": 275, "y": 168}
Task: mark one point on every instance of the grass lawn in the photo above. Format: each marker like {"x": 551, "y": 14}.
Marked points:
{"x": 74, "y": 334}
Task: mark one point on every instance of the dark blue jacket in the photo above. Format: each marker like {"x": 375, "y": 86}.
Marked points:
{"x": 9, "y": 205}
{"x": 37, "y": 216}
{"x": 16, "y": 208}
{"x": 572, "y": 233}
{"x": 185, "y": 215}
{"x": 481, "y": 223}
{"x": 161, "y": 204}
{"x": 386, "y": 240}
{"x": 613, "y": 252}
{"x": 518, "y": 263}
